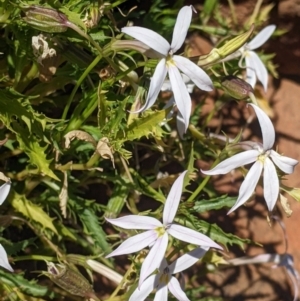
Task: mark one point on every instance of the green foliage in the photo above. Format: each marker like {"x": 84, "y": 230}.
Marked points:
{"x": 91, "y": 226}
{"x": 19, "y": 288}
{"x": 32, "y": 211}
{"x": 73, "y": 84}
{"x": 214, "y": 204}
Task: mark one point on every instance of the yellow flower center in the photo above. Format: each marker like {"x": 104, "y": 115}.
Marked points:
{"x": 262, "y": 157}
{"x": 160, "y": 231}
{"x": 170, "y": 62}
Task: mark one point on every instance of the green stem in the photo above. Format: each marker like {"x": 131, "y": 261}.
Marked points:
{"x": 76, "y": 121}
{"x": 79, "y": 82}
{"x": 198, "y": 190}
{"x": 80, "y": 166}
{"x": 114, "y": 296}
{"x": 35, "y": 257}
{"x": 255, "y": 12}
{"x": 86, "y": 36}
{"x": 202, "y": 185}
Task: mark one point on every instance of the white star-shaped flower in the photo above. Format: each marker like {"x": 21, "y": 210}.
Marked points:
{"x": 4, "y": 260}
{"x": 179, "y": 119}
{"x": 171, "y": 64}
{"x": 4, "y": 191}
{"x": 264, "y": 158}
{"x": 157, "y": 233}
{"x": 164, "y": 281}
{"x": 255, "y": 67}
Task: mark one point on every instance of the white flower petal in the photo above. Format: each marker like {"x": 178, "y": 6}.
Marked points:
{"x": 148, "y": 37}
{"x": 248, "y": 186}
{"x": 173, "y": 200}
{"x": 154, "y": 258}
{"x": 180, "y": 125}
{"x": 286, "y": 164}
{"x": 176, "y": 290}
{"x": 266, "y": 126}
{"x": 161, "y": 294}
{"x": 135, "y": 243}
{"x": 271, "y": 184}
{"x": 261, "y": 37}
{"x": 194, "y": 72}
{"x": 251, "y": 74}
{"x": 254, "y": 62}
{"x": 235, "y": 161}
{"x": 4, "y": 260}
{"x": 181, "y": 94}
{"x": 187, "y": 260}
{"x": 140, "y": 294}
{"x": 166, "y": 86}
{"x": 4, "y": 191}
{"x": 181, "y": 27}
{"x": 135, "y": 222}
{"x": 156, "y": 83}
{"x": 191, "y": 236}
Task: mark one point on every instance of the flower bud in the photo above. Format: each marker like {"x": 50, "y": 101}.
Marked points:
{"x": 236, "y": 87}
{"x": 229, "y": 49}
{"x": 46, "y": 19}
{"x": 236, "y": 43}
{"x": 92, "y": 17}
{"x": 120, "y": 45}
{"x": 70, "y": 280}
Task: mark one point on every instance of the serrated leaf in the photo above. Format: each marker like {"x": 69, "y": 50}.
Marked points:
{"x": 32, "y": 211}
{"x": 146, "y": 189}
{"x": 19, "y": 283}
{"x": 19, "y": 117}
{"x": 218, "y": 235}
{"x": 150, "y": 124}
{"x": 92, "y": 227}
{"x": 211, "y": 230}
{"x": 35, "y": 152}
{"x": 214, "y": 204}
{"x": 14, "y": 105}
{"x": 14, "y": 248}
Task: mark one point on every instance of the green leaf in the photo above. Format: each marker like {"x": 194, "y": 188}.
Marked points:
{"x": 15, "y": 108}
{"x": 18, "y": 282}
{"x": 18, "y": 116}
{"x": 73, "y": 17}
{"x": 117, "y": 200}
{"x": 66, "y": 233}
{"x": 218, "y": 235}
{"x": 211, "y": 230}
{"x": 14, "y": 248}
{"x": 32, "y": 211}
{"x": 92, "y": 227}
{"x": 36, "y": 153}
{"x": 149, "y": 124}
{"x": 214, "y": 204}
{"x": 146, "y": 189}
